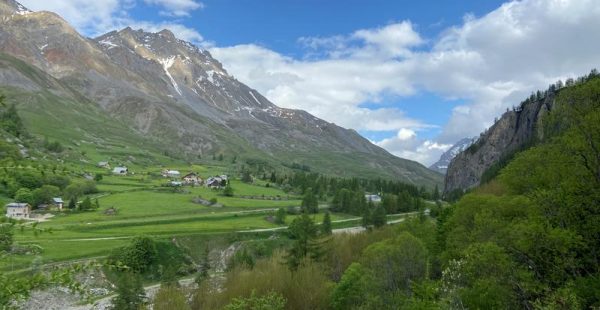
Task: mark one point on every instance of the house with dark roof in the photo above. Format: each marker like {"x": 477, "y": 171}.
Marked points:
{"x": 192, "y": 178}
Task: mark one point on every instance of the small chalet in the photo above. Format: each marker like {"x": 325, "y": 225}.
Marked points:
{"x": 58, "y": 203}
{"x": 120, "y": 171}
{"x": 104, "y": 164}
{"x": 214, "y": 182}
{"x": 18, "y": 210}
{"x": 192, "y": 179}
{"x": 373, "y": 198}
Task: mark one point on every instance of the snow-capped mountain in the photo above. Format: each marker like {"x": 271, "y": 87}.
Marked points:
{"x": 441, "y": 165}
{"x": 178, "y": 95}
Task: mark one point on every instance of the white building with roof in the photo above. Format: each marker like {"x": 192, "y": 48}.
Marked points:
{"x": 120, "y": 171}
{"x": 58, "y": 202}
{"x": 18, "y": 210}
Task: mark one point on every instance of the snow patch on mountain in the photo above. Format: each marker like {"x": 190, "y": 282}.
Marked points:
{"x": 21, "y": 10}
{"x": 252, "y": 94}
{"x": 442, "y": 164}
{"x": 108, "y": 43}
{"x": 167, "y": 63}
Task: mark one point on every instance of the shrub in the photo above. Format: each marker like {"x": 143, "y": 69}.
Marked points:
{"x": 270, "y": 301}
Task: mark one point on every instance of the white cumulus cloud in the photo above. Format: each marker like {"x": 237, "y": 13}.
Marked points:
{"x": 179, "y": 8}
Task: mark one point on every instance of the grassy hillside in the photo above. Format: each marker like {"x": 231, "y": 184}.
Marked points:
{"x": 53, "y": 111}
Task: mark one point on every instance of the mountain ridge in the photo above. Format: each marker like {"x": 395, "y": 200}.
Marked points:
{"x": 180, "y": 96}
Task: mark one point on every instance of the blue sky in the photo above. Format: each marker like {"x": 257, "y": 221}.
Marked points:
{"x": 278, "y": 24}
{"x": 412, "y": 76}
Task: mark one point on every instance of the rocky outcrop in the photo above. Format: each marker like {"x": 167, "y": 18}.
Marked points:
{"x": 514, "y": 131}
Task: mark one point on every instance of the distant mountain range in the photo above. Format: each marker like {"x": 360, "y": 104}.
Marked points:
{"x": 155, "y": 93}
{"x": 442, "y": 164}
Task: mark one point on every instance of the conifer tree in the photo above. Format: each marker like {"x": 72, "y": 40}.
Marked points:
{"x": 326, "y": 226}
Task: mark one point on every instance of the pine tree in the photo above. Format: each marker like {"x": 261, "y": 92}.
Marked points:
{"x": 86, "y": 204}
{"x": 280, "y": 216}
{"x": 204, "y": 267}
{"x": 228, "y": 190}
{"x": 366, "y": 218}
{"x": 246, "y": 177}
{"x": 326, "y": 225}
{"x": 130, "y": 292}
{"x": 436, "y": 194}
{"x": 304, "y": 232}
{"x": 72, "y": 203}
{"x": 310, "y": 204}
{"x": 379, "y": 217}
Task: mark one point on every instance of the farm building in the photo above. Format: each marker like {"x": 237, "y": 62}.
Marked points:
{"x": 18, "y": 210}
{"x": 192, "y": 178}
{"x": 58, "y": 203}
{"x": 214, "y": 182}
{"x": 373, "y": 198}
{"x": 120, "y": 171}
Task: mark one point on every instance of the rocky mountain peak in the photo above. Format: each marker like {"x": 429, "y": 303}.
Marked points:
{"x": 167, "y": 33}
{"x": 9, "y": 7}
{"x": 442, "y": 164}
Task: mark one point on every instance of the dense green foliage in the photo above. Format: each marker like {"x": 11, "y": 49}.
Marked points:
{"x": 10, "y": 121}
{"x": 310, "y": 204}
{"x": 529, "y": 238}
{"x": 270, "y": 301}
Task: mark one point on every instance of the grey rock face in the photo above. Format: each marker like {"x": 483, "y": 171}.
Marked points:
{"x": 512, "y": 132}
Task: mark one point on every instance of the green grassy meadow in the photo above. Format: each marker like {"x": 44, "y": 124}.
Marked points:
{"x": 145, "y": 206}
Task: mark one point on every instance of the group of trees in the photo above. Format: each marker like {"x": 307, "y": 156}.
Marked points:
{"x": 146, "y": 259}
{"x": 10, "y": 121}
{"x": 323, "y": 186}
{"x": 36, "y": 188}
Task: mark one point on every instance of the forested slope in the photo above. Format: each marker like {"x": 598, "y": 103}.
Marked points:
{"x": 528, "y": 239}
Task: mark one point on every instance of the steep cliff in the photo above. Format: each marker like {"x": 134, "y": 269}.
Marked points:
{"x": 514, "y": 131}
